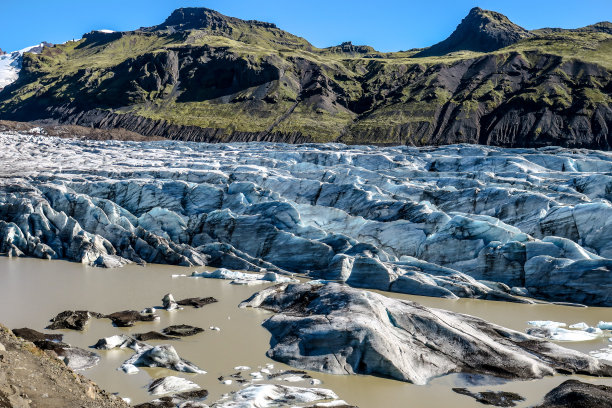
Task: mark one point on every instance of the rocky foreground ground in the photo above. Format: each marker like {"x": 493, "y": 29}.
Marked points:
{"x": 454, "y": 221}
{"x": 29, "y": 377}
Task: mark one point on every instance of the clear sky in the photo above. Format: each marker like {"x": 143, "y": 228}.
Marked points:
{"x": 387, "y": 25}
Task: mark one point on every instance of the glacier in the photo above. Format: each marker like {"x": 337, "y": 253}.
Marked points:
{"x": 451, "y": 221}
{"x": 10, "y": 64}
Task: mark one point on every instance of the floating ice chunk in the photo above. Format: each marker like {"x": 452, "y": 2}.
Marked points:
{"x": 127, "y": 400}
{"x": 242, "y": 368}
{"x": 272, "y": 395}
{"x": 579, "y": 326}
{"x": 560, "y": 334}
{"x": 603, "y": 354}
{"x": 314, "y": 381}
{"x": 129, "y": 368}
{"x": 223, "y": 273}
{"x": 605, "y": 325}
{"x": 265, "y": 371}
{"x": 256, "y": 374}
{"x": 546, "y": 324}
{"x": 227, "y": 382}
{"x": 214, "y": 328}
{"x": 331, "y": 404}
{"x": 171, "y": 384}
{"x": 518, "y": 291}
{"x": 269, "y": 366}
{"x": 242, "y": 278}
{"x": 178, "y": 275}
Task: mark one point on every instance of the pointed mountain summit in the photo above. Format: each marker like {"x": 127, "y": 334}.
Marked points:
{"x": 482, "y": 31}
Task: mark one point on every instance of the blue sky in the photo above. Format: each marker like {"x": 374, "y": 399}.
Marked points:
{"x": 387, "y": 25}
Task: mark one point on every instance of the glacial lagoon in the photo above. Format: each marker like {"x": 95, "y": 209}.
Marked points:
{"x": 33, "y": 291}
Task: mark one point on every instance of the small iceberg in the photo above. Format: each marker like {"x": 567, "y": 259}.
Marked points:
{"x": 560, "y": 334}
{"x": 605, "y": 325}
{"x": 546, "y": 324}
{"x": 603, "y": 354}
{"x": 242, "y": 278}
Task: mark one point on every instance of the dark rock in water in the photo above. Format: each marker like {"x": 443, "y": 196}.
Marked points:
{"x": 34, "y": 336}
{"x": 288, "y": 372}
{"x": 197, "y": 302}
{"x": 498, "y": 399}
{"x": 128, "y": 318}
{"x": 153, "y": 335}
{"x": 182, "y": 330}
{"x": 72, "y": 320}
{"x": 577, "y": 394}
{"x": 337, "y": 329}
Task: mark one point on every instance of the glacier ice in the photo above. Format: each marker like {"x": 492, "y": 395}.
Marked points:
{"x": 450, "y": 221}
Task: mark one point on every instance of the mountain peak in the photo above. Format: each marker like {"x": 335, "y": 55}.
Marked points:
{"x": 482, "y": 31}
{"x": 199, "y": 18}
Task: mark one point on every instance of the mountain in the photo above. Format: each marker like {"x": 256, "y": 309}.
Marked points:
{"x": 203, "y": 76}
{"x": 481, "y": 31}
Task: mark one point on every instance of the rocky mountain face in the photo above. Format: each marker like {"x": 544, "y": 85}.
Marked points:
{"x": 482, "y": 31}
{"x": 203, "y": 76}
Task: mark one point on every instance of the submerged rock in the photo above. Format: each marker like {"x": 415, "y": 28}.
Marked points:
{"x": 336, "y": 329}
{"x": 577, "y": 394}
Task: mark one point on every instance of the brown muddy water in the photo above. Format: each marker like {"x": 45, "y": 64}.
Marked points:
{"x": 32, "y": 291}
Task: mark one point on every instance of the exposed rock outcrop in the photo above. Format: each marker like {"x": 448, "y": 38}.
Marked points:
{"x": 483, "y": 31}
{"x": 32, "y": 378}
{"x": 340, "y": 330}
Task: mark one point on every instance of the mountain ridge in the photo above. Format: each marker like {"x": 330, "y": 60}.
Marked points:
{"x": 204, "y": 76}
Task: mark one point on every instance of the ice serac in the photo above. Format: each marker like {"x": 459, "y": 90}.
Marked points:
{"x": 454, "y": 221}
{"x": 340, "y": 330}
